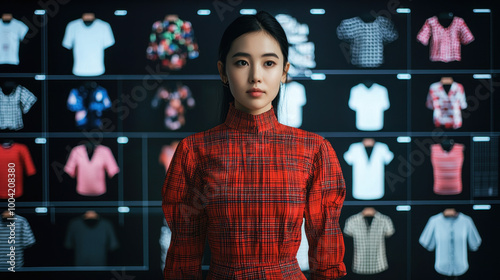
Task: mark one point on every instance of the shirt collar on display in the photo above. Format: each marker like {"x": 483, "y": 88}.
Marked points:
{"x": 246, "y": 122}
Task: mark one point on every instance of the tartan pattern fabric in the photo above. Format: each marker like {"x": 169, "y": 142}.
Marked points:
{"x": 369, "y": 242}
{"x": 13, "y": 105}
{"x": 246, "y": 185}
{"x": 447, "y": 106}
{"x": 367, "y": 39}
{"x": 445, "y": 42}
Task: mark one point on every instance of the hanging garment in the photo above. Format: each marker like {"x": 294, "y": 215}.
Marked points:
{"x": 369, "y": 242}
{"x": 18, "y": 155}
{"x": 88, "y": 44}
{"x": 368, "y": 172}
{"x": 367, "y": 39}
{"x": 91, "y": 240}
{"x": 11, "y": 34}
{"x": 445, "y": 43}
{"x": 88, "y": 102}
{"x": 177, "y": 101}
{"x": 253, "y": 180}
{"x": 172, "y": 42}
{"x": 24, "y": 239}
{"x": 13, "y": 106}
{"x": 449, "y": 236}
{"x": 447, "y": 106}
{"x": 447, "y": 168}
{"x": 90, "y": 173}
{"x": 300, "y": 50}
{"x": 292, "y": 99}
{"x": 369, "y": 105}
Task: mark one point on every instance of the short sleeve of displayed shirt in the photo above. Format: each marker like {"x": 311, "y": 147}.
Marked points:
{"x": 27, "y": 100}
{"x": 388, "y": 227}
{"x": 387, "y": 154}
{"x": 22, "y": 30}
{"x": 111, "y": 166}
{"x": 353, "y": 98}
{"x": 27, "y": 161}
{"x": 71, "y": 164}
{"x": 348, "y": 230}
{"x": 350, "y": 155}
{"x": 465, "y": 34}
{"x": 385, "y": 99}
{"x": 424, "y": 34}
{"x": 69, "y": 36}
{"x": 427, "y": 239}
{"x": 108, "y": 38}
{"x": 346, "y": 29}
{"x": 75, "y": 101}
{"x": 389, "y": 33}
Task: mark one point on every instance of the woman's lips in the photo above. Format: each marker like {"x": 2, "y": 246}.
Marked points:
{"x": 255, "y": 92}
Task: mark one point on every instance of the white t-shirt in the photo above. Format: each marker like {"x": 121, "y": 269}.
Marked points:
{"x": 291, "y": 101}
{"x": 369, "y": 105}
{"x": 368, "y": 173}
{"x": 10, "y": 35}
{"x": 88, "y": 44}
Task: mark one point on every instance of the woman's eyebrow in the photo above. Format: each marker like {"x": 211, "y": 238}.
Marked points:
{"x": 248, "y": 55}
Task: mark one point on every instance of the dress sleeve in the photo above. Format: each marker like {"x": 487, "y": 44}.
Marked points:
{"x": 424, "y": 34}
{"x": 427, "y": 238}
{"x": 182, "y": 203}
{"x": 325, "y": 197}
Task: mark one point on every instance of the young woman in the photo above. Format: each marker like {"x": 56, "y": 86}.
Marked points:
{"x": 247, "y": 184}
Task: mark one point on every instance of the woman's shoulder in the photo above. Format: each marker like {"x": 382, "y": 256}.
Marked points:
{"x": 299, "y": 135}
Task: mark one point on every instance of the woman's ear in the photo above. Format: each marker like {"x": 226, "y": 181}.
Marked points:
{"x": 222, "y": 73}
{"x": 285, "y": 72}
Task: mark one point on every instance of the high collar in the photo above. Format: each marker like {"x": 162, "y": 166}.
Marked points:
{"x": 246, "y": 122}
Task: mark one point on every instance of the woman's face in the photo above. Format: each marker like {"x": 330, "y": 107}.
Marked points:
{"x": 254, "y": 69}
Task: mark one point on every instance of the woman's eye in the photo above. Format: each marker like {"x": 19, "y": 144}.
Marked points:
{"x": 269, "y": 63}
{"x": 241, "y": 63}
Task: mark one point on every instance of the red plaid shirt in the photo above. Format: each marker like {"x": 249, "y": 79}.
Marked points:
{"x": 246, "y": 185}
{"x": 445, "y": 42}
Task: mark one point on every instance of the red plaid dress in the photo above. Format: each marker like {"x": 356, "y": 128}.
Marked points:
{"x": 246, "y": 186}
{"x": 445, "y": 42}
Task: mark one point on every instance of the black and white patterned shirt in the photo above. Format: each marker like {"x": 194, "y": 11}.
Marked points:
{"x": 369, "y": 242}
{"x": 13, "y": 105}
{"x": 24, "y": 238}
{"x": 367, "y": 39}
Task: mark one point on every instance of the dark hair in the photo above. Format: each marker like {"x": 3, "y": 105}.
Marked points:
{"x": 262, "y": 21}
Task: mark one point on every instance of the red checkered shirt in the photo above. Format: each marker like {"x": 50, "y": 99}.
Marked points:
{"x": 445, "y": 42}
{"x": 447, "y": 106}
{"x": 246, "y": 185}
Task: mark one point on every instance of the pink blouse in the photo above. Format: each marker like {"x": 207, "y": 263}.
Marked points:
{"x": 90, "y": 173}
{"x": 445, "y": 42}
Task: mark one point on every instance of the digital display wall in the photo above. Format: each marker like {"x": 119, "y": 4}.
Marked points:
{"x": 96, "y": 95}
